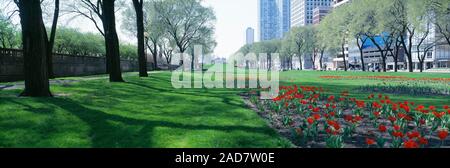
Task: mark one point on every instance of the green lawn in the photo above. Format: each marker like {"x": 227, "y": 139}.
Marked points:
{"x": 147, "y": 112}
{"x": 140, "y": 113}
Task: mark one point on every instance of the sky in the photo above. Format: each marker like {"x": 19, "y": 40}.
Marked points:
{"x": 233, "y": 18}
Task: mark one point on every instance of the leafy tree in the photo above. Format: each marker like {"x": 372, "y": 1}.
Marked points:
{"x": 287, "y": 51}
{"x": 185, "y": 21}
{"x": 334, "y": 30}
{"x": 8, "y": 34}
{"x": 298, "y": 37}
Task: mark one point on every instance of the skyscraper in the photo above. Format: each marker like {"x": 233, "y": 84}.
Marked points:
{"x": 273, "y": 18}
{"x": 250, "y": 35}
{"x": 302, "y": 11}
{"x": 284, "y": 20}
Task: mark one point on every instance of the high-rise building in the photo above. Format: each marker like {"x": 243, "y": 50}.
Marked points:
{"x": 267, "y": 19}
{"x": 284, "y": 19}
{"x": 319, "y": 13}
{"x": 273, "y": 18}
{"x": 302, "y": 11}
{"x": 250, "y": 36}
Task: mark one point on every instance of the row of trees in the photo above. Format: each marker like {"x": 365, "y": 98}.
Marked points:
{"x": 185, "y": 22}
{"x": 399, "y": 24}
{"x": 172, "y": 26}
{"x": 67, "y": 41}
{"x": 391, "y": 25}
{"x": 301, "y": 42}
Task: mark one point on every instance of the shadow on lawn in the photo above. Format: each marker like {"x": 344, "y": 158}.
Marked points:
{"x": 106, "y": 134}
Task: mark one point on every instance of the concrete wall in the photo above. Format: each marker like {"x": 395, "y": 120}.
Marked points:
{"x": 11, "y": 65}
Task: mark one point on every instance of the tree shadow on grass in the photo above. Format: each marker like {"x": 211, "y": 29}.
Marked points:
{"x": 108, "y": 130}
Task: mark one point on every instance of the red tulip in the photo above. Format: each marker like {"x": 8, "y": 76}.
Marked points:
{"x": 376, "y": 105}
{"x": 420, "y": 107}
{"x": 438, "y": 115}
{"x": 370, "y": 141}
{"x": 360, "y": 104}
{"x": 331, "y": 98}
{"x": 446, "y": 107}
{"x": 304, "y": 102}
{"x": 397, "y": 134}
{"x": 411, "y": 144}
{"x": 423, "y": 121}
{"x": 332, "y": 113}
{"x": 402, "y": 115}
{"x": 392, "y": 119}
{"x": 316, "y": 110}
{"x": 382, "y": 128}
{"x": 348, "y": 118}
{"x": 316, "y": 116}
{"x": 423, "y": 141}
{"x": 414, "y": 134}
{"x": 310, "y": 121}
{"x": 358, "y": 118}
{"x": 396, "y": 127}
{"x": 442, "y": 134}
{"x": 432, "y": 108}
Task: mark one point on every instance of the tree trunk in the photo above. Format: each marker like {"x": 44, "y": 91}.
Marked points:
{"x": 138, "y": 6}
{"x": 321, "y": 59}
{"x": 301, "y": 63}
{"x": 51, "y": 41}
{"x": 34, "y": 49}
{"x": 111, "y": 42}
{"x": 343, "y": 56}
{"x": 361, "y": 52}
{"x": 395, "y": 65}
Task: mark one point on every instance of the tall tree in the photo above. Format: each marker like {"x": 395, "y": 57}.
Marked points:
{"x": 34, "y": 49}
{"x": 185, "y": 20}
{"x": 105, "y": 11}
{"x": 138, "y": 6}
{"x": 299, "y": 36}
{"x": 335, "y": 30}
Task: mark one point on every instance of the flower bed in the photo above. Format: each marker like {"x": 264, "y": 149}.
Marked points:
{"x": 401, "y": 78}
{"x": 409, "y": 87}
{"x": 311, "y": 118}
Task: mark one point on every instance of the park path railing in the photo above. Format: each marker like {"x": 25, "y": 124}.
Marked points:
{"x": 64, "y": 65}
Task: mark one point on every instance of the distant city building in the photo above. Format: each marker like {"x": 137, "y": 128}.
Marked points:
{"x": 273, "y": 18}
{"x": 319, "y": 13}
{"x": 250, "y": 35}
{"x": 337, "y": 3}
{"x": 302, "y": 11}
